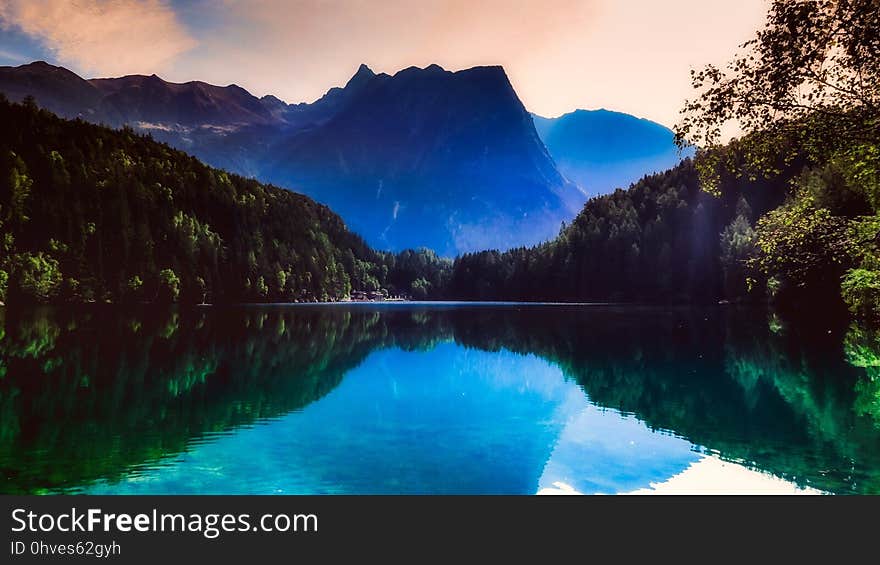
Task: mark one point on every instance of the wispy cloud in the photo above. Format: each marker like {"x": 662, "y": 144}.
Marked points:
{"x": 104, "y": 37}
{"x": 10, "y": 55}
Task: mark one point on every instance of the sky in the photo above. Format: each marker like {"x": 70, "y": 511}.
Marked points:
{"x": 633, "y": 56}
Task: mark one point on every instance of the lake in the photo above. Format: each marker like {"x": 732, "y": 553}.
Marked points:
{"x": 434, "y": 399}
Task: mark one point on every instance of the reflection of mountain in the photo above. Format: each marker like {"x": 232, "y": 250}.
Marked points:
{"x": 785, "y": 406}
{"x": 595, "y": 454}
{"x": 449, "y": 420}
{"x": 126, "y": 390}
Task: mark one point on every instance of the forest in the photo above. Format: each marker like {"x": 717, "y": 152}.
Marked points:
{"x": 91, "y": 214}
{"x": 787, "y": 212}
{"x": 660, "y": 240}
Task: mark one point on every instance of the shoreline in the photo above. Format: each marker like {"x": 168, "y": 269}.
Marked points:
{"x": 385, "y": 302}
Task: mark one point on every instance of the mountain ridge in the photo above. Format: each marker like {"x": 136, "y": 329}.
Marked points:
{"x": 423, "y": 157}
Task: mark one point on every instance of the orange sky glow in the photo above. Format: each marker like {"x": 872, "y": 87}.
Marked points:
{"x": 628, "y": 55}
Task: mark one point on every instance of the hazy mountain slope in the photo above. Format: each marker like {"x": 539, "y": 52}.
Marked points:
{"x": 602, "y": 150}
{"x": 436, "y": 158}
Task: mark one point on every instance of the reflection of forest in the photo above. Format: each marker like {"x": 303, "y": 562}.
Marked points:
{"x": 92, "y": 393}
{"x": 803, "y": 405}
{"x": 89, "y": 393}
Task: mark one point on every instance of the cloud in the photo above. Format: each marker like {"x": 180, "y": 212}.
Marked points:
{"x": 105, "y": 37}
{"x": 629, "y": 55}
{"x": 306, "y": 46}
{"x": 10, "y": 55}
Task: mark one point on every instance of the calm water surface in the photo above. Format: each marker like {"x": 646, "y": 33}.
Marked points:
{"x": 415, "y": 398}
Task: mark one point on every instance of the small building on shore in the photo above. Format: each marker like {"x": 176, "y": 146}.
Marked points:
{"x": 367, "y": 296}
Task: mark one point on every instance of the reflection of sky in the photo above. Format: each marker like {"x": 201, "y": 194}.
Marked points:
{"x": 449, "y": 420}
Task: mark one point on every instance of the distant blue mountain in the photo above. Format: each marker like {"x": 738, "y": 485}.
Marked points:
{"x": 601, "y": 150}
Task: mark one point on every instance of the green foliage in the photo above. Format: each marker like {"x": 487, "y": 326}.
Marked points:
{"x": 262, "y": 289}
{"x": 865, "y": 237}
{"x": 281, "y": 281}
{"x": 859, "y": 165}
{"x": 135, "y": 283}
{"x": 862, "y": 348}
{"x": 823, "y": 240}
{"x": 103, "y": 207}
{"x": 421, "y": 289}
{"x": 134, "y": 288}
{"x": 419, "y": 273}
{"x": 35, "y": 277}
{"x": 659, "y": 241}
{"x": 815, "y": 63}
{"x": 737, "y": 247}
{"x": 804, "y": 92}
{"x": 169, "y": 286}
{"x": 800, "y": 243}
{"x": 861, "y": 292}
{"x": 4, "y": 283}
{"x": 18, "y": 187}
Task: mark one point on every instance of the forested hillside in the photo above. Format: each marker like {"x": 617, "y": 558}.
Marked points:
{"x": 660, "y": 240}
{"x": 89, "y": 213}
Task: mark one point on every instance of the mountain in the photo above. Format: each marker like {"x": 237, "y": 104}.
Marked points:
{"x": 601, "y": 150}
{"x": 424, "y": 157}
{"x": 449, "y": 160}
{"x": 55, "y": 88}
{"x": 144, "y": 102}
{"x": 138, "y": 99}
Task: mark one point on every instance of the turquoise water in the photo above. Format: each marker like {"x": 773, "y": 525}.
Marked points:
{"x": 432, "y": 399}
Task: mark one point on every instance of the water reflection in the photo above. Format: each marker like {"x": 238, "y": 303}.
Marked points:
{"x": 403, "y": 398}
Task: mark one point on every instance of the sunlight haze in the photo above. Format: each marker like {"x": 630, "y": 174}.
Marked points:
{"x": 632, "y": 56}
